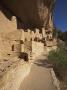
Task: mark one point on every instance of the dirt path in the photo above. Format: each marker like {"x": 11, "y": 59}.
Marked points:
{"x": 39, "y": 78}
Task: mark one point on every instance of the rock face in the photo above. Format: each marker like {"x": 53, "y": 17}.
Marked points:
{"x": 32, "y": 13}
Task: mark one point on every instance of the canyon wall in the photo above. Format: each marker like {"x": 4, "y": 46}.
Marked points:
{"x": 32, "y": 13}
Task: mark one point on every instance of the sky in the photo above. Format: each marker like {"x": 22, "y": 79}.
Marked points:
{"x": 60, "y": 15}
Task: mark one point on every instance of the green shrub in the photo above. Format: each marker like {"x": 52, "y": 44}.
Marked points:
{"x": 58, "y": 57}
{"x": 59, "y": 60}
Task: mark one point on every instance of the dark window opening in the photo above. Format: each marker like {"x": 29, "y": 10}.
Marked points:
{"x": 12, "y": 47}
{"x": 24, "y": 56}
{"x": 35, "y": 39}
{"x": 31, "y": 39}
{"x": 47, "y": 37}
{"x": 8, "y": 54}
{"x": 21, "y": 42}
{"x": 25, "y": 39}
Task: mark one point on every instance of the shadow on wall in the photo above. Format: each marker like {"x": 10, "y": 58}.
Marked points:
{"x": 24, "y": 56}
{"x": 9, "y": 14}
{"x": 43, "y": 63}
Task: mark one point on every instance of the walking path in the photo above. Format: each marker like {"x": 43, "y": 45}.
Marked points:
{"x": 39, "y": 78}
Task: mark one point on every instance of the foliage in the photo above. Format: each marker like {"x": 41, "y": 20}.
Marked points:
{"x": 60, "y": 35}
{"x": 57, "y": 33}
{"x": 59, "y": 60}
{"x": 59, "y": 57}
{"x": 64, "y": 36}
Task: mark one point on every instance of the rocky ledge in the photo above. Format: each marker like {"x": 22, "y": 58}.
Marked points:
{"x": 12, "y": 73}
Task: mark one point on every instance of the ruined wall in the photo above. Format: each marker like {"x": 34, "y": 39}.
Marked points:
{"x": 9, "y": 35}
{"x": 30, "y": 35}
{"x": 32, "y": 13}
{"x": 37, "y": 49}
{"x": 12, "y": 69}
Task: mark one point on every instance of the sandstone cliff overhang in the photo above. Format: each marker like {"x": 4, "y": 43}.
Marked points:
{"x": 32, "y": 13}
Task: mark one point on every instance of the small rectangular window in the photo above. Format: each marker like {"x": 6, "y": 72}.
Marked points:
{"x": 12, "y": 47}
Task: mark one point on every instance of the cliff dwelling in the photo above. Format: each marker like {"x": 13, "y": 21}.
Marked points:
{"x": 26, "y": 31}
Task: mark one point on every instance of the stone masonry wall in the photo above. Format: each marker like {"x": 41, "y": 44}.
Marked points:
{"x": 14, "y": 75}
{"x": 37, "y": 49}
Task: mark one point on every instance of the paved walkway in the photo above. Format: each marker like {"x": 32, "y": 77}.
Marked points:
{"x": 39, "y": 78}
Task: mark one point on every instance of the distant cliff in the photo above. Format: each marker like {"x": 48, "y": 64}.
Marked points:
{"x": 32, "y": 13}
